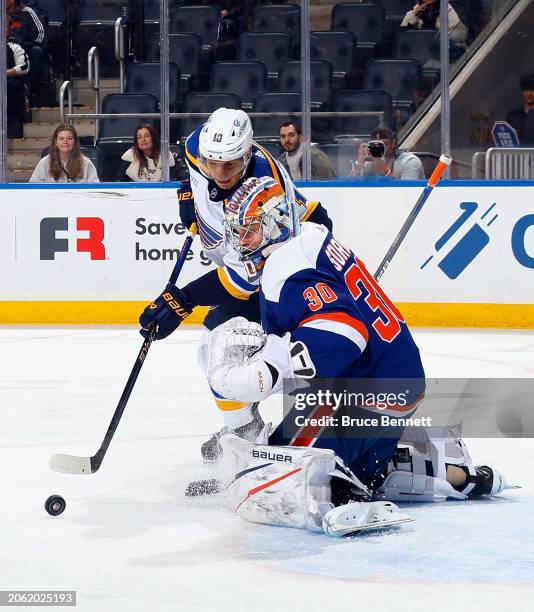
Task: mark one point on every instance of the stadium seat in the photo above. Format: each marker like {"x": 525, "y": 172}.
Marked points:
{"x": 199, "y": 102}
{"x": 184, "y": 51}
{"x": 268, "y": 129}
{"x": 246, "y": 79}
{"x": 144, "y": 78}
{"x": 55, "y": 9}
{"x": 394, "y": 11}
{"x": 360, "y": 100}
{"x": 338, "y": 48}
{"x": 400, "y": 78}
{"x": 422, "y": 45}
{"x": 96, "y": 28}
{"x": 118, "y": 131}
{"x": 271, "y": 48}
{"x": 290, "y": 79}
{"x": 363, "y": 20}
{"x": 274, "y": 148}
{"x": 277, "y": 18}
{"x": 116, "y": 135}
{"x": 201, "y": 20}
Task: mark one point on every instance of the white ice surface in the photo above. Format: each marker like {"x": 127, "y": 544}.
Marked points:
{"x": 129, "y": 539}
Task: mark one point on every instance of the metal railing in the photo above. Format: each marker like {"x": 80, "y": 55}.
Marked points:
{"x": 503, "y": 163}
{"x": 517, "y": 163}
{"x": 119, "y": 50}
{"x": 93, "y": 79}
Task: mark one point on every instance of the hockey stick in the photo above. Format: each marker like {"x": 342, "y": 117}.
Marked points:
{"x": 71, "y": 464}
{"x": 443, "y": 163}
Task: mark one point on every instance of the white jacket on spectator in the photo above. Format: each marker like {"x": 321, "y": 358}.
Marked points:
{"x": 457, "y": 30}
{"x": 149, "y": 174}
{"x": 21, "y": 62}
{"x": 41, "y": 174}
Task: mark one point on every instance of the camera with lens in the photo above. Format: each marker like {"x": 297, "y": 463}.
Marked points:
{"x": 376, "y": 148}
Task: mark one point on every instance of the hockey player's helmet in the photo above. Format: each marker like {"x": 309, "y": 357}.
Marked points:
{"x": 259, "y": 218}
{"x": 226, "y": 136}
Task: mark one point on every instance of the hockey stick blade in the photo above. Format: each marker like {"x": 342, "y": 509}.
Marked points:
{"x": 70, "y": 464}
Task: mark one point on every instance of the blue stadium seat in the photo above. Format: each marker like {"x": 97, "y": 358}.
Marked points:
{"x": 277, "y": 18}
{"x": 394, "y": 11}
{"x": 201, "y": 20}
{"x": 290, "y": 79}
{"x": 144, "y": 78}
{"x": 422, "y": 45}
{"x": 185, "y": 52}
{"x": 271, "y": 48}
{"x": 338, "y": 48}
{"x": 267, "y": 128}
{"x": 96, "y": 28}
{"x": 246, "y": 79}
{"x": 400, "y": 78}
{"x": 363, "y": 20}
{"x": 360, "y": 100}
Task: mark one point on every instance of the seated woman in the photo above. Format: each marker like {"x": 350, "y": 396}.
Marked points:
{"x": 64, "y": 162}
{"x": 142, "y": 163}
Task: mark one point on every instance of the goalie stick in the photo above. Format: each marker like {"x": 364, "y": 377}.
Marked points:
{"x": 71, "y": 464}
{"x": 443, "y": 163}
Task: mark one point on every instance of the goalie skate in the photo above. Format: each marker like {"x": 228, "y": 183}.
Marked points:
{"x": 365, "y": 516}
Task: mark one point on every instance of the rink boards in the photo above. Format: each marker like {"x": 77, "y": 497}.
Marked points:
{"x": 86, "y": 255}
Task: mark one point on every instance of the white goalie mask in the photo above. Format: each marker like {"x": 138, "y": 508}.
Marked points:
{"x": 226, "y": 136}
{"x": 259, "y": 218}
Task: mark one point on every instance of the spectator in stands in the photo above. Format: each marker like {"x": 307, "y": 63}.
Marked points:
{"x": 17, "y": 67}
{"x": 29, "y": 25}
{"x": 381, "y": 157}
{"x": 522, "y": 118}
{"x": 64, "y": 162}
{"x": 142, "y": 163}
{"x": 425, "y": 14}
{"x": 291, "y": 159}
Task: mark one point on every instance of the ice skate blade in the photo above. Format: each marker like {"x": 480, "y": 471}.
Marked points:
{"x": 70, "y": 464}
{"x": 365, "y": 516}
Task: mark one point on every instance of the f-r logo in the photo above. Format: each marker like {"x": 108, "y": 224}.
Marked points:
{"x": 51, "y": 244}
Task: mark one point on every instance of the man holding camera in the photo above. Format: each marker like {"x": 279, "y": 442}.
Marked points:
{"x": 381, "y": 157}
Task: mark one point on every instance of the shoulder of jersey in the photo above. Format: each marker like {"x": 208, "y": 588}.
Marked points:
{"x": 299, "y": 253}
{"x": 191, "y": 146}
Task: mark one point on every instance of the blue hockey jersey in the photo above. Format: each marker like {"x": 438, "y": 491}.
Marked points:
{"x": 318, "y": 290}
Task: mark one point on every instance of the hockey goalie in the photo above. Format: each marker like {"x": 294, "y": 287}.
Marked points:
{"x": 323, "y": 316}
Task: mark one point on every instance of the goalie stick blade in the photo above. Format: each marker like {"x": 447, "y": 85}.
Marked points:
{"x": 197, "y": 488}
{"x": 70, "y": 464}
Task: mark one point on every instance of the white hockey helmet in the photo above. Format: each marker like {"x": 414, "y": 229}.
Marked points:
{"x": 259, "y": 218}
{"x": 226, "y": 136}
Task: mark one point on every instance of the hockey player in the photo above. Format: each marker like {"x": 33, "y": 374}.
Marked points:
{"x": 322, "y": 315}
{"x": 220, "y": 156}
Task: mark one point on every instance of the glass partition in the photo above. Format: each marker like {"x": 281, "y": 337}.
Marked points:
{"x": 113, "y": 66}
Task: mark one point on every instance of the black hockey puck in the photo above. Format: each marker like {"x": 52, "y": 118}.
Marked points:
{"x": 55, "y": 505}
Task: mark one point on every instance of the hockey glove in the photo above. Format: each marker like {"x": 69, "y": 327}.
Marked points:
{"x": 187, "y": 204}
{"x": 167, "y": 311}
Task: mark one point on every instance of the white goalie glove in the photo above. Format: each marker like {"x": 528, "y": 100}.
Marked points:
{"x": 246, "y": 364}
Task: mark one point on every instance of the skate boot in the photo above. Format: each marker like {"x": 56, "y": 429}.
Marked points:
{"x": 488, "y": 481}
{"x": 211, "y": 450}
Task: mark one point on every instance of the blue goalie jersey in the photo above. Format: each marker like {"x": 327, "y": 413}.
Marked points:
{"x": 319, "y": 291}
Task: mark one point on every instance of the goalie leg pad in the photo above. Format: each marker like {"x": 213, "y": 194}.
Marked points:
{"x": 278, "y": 485}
